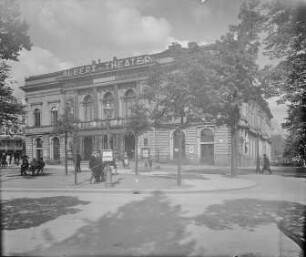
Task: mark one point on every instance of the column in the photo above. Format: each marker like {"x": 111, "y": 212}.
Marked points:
{"x": 96, "y": 103}
{"x": 116, "y": 102}
{"x": 63, "y": 103}
{"x": 76, "y": 105}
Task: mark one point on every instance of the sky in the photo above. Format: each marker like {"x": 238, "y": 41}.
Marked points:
{"x": 69, "y": 33}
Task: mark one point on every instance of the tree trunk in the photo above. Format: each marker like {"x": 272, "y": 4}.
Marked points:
{"x": 233, "y": 152}
{"x": 66, "y": 153}
{"x": 179, "y": 166}
{"x": 136, "y": 154}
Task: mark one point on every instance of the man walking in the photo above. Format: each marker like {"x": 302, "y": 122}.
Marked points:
{"x": 266, "y": 164}
{"x": 78, "y": 162}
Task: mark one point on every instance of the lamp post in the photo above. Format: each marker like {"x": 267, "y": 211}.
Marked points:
{"x": 108, "y": 113}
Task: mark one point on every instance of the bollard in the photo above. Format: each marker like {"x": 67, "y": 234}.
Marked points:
{"x": 109, "y": 179}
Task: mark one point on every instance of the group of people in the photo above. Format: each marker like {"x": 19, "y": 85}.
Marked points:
{"x": 35, "y": 167}
{"x": 97, "y": 167}
{"x": 9, "y": 158}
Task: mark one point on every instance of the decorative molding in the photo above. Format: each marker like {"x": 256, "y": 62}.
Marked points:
{"x": 85, "y": 91}
{"x": 38, "y": 103}
{"x": 54, "y": 101}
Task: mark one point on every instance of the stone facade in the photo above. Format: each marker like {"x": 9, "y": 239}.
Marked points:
{"x": 88, "y": 89}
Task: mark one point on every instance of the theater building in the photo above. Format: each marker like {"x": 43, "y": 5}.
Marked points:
{"x": 85, "y": 91}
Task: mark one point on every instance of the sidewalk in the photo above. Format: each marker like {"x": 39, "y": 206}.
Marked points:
{"x": 160, "y": 178}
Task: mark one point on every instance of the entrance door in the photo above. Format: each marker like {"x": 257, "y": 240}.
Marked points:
{"x": 88, "y": 147}
{"x": 56, "y": 149}
{"x": 207, "y": 154}
{"x": 129, "y": 145}
{"x": 176, "y": 145}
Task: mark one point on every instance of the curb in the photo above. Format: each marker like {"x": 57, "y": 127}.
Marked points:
{"x": 121, "y": 191}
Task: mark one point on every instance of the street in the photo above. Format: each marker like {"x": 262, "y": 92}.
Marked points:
{"x": 244, "y": 222}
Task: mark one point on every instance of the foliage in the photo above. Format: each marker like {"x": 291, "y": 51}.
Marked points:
{"x": 13, "y": 31}
{"x": 137, "y": 124}
{"x": 13, "y": 38}
{"x": 237, "y": 52}
{"x": 68, "y": 125}
{"x": 210, "y": 83}
{"x": 139, "y": 121}
{"x": 285, "y": 27}
{"x": 10, "y": 108}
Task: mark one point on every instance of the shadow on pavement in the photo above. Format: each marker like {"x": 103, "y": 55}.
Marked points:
{"x": 251, "y": 213}
{"x": 24, "y": 213}
{"x": 149, "y": 226}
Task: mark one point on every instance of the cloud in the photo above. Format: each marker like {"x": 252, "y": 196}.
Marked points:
{"x": 35, "y": 62}
{"x": 86, "y": 30}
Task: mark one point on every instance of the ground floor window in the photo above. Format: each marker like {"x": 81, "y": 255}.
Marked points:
{"x": 55, "y": 149}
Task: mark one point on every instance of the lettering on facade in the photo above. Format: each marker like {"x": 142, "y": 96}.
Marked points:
{"x": 108, "y": 66}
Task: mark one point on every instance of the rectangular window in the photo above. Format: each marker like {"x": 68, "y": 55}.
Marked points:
{"x": 37, "y": 119}
{"x": 145, "y": 142}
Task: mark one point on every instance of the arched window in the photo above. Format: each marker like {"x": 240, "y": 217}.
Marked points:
{"x": 207, "y": 135}
{"x": 38, "y": 143}
{"x": 70, "y": 107}
{"x": 108, "y": 100}
{"x": 54, "y": 116}
{"x": 88, "y": 108}
{"x": 56, "y": 148}
{"x": 39, "y": 148}
{"x": 130, "y": 100}
{"x": 37, "y": 122}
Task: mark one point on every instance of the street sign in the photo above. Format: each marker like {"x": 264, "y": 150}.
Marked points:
{"x": 107, "y": 155}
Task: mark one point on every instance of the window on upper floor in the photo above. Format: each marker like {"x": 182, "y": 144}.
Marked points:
{"x": 108, "y": 101}
{"x": 129, "y": 100}
{"x": 37, "y": 118}
{"x": 88, "y": 108}
{"x": 54, "y": 116}
{"x": 70, "y": 108}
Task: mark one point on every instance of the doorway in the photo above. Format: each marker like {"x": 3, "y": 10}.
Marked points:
{"x": 88, "y": 147}
{"x": 129, "y": 145}
{"x": 207, "y": 154}
{"x": 56, "y": 149}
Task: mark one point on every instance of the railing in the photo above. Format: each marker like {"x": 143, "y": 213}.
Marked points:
{"x": 102, "y": 123}
{"x": 41, "y": 129}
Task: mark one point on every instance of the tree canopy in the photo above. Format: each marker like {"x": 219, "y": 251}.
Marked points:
{"x": 285, "y": 40}
{"x": 13, "y": 38}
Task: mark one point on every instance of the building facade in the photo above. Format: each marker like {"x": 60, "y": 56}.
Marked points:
{"x": 85, "y": 91}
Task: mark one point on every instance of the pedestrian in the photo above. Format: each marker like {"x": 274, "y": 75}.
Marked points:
{"x": 96, "y": 166}
{"x": 17, "y": 158}
{"x": 78, "y": 162}
{"x": 24, "y": 166}
{"x": 40, "y": 166}
{"x": 3, "y": 161}
{"x": 33, "y": 166}
{"x": 125, "y": 162}
{"x": 266, "y": 164}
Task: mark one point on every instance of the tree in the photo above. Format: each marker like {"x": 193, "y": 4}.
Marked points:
{"x": 13, "y": 31}
{"x": 285, "y": 41}
{"x": 171, "y": 93}
{"x": 235, "y": 56}
{"x": 138, "y": 123}
{"x": 68, "y": 126}
{"x": 13, "y": 38}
